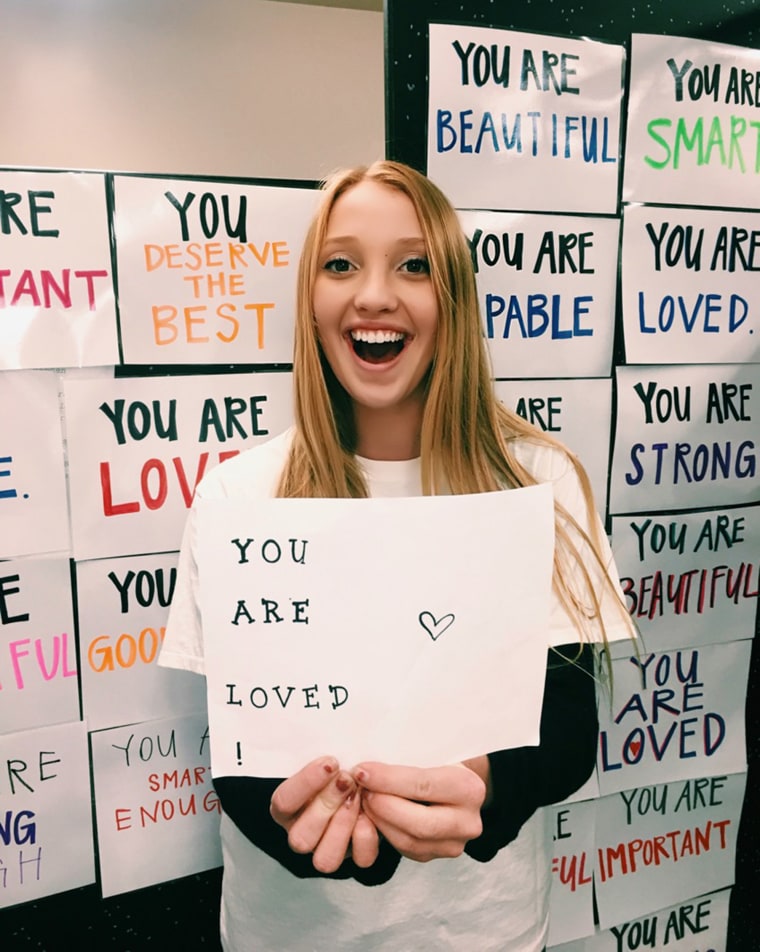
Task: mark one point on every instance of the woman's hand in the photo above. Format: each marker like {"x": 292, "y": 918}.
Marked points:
{"x": 425, "y": 813}
{"x": 319, "y": 807}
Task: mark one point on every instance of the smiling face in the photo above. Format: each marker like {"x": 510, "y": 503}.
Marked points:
{"x": 374, "y": 304}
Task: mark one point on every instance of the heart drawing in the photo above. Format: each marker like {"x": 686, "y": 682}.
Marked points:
{"x": 435, "y": 627}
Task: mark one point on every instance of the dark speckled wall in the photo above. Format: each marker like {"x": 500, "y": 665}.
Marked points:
{"x": 733, "y": 21}
{"x": 176, "y": 917}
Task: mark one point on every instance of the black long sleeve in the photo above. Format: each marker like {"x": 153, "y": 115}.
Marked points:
{"x": 526, "y": 778}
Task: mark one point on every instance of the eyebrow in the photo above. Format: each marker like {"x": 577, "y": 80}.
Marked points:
{"x": 342, "y": 239}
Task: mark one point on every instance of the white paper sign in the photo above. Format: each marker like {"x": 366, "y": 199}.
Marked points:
{"x": 577, "y": 412}
{"x": 696, "y": 925}
{"x": 660, "y": 845}
{"x": 691, "y": 578}
{"x": 674, "y": 715}
{"x": 572, "y": 894}
{"x": 403, "y": 630}
{"x": 524, "y": 121}
{"x": 207, "y": 270}
{"x": 38, "y": 664}
{"x": 686, "y": 438}
{"x": 138, "y": 447}
{"x": 123, "y": 605}
{"x": 56, "y": 286}
{"x": 157, "y": 811}
{"x": 547, "y": 292}
{"x": 46, "y": 842}
{"x": 689, "y": 279}
{"x": 33, "y": 508}
{"x": 692, "y": 131}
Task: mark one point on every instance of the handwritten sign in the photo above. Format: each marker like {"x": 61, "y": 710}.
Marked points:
{"x": 525, "y": 121}
{"x": 663, "y": 844}
{"x": 674, "y": 715}
{"x": 692, "y": 578}
{"x": 686, "y": 438}
{"x": 139, "y": 447}
{"x": 571, "y": 902}
{"x": 157, "y": 812}
{"x": 46, "y": 842}
{"x": 688, "y": 286}
{"x": 33, "y": 507}
{"x": 207, "y": 269}
{"x": 56, "y": 288}
{"x": 368, "y": 628}
{"x": 547, "y": 292}
{"x": 692, "y": 123}
{"x": 696, "y": 925}
{"x": 38, "y": 665}
{"x": 577, "y": 412}
{"x": 123, "y": 604}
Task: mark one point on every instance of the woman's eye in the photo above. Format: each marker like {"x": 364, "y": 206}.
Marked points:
{"x": 338, "y": 265}
{"x": 416, "y": 266}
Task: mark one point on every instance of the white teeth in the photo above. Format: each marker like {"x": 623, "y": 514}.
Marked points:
{"x": 377, "y": 337}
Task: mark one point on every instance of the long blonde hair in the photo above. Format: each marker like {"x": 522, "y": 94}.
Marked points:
{"x": 466, "y": 435}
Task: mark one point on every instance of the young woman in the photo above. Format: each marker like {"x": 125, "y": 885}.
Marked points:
{"x": 393, "y": 397}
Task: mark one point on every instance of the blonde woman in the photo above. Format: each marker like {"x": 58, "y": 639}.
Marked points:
{"x": 393, "y": 397}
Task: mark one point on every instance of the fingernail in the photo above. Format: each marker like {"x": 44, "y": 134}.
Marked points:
{"x": 361, "y": 775}
{"x": 330, "y": 765}
{"x": 343, "y": 784}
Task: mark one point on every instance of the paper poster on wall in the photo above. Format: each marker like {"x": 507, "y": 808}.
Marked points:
{"x": 56, "y": 286}
{"x": 686, "y": 438}
{"x": 33, "y": 508}
{"x": 138, "y": 447}
{"x": 547, "y": 291}
{"x": 46, "y": 844}
{"x": 674, "y": 715}
{"x": 123, "y": 605}
{"x": 571, "y": 903}
{"x": 691, "y": 578}
{"x": 523, "y": 120}
{"x": 576, "y": 412}
{"x": 691, "y": 136}
{"x": 38, "y": 662}
{"x": 688, "y": 286}
{"x": 664, "y": 844}
{"x": 156, "y": 809}
{"x": 304, "y": 658}
{"x": 207, "y": 270}
{"x": 696, "y": 924}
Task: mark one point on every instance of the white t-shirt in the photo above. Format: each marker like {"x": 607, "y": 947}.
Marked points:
{"x": 448, "y": 904}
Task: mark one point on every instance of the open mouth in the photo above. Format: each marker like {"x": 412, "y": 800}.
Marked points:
{"x": 377, "y": 347}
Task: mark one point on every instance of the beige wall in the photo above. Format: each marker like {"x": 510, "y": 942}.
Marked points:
{"x": 216, "y": 87}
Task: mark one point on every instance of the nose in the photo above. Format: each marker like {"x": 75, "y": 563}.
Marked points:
{"x": 375, "y": 290}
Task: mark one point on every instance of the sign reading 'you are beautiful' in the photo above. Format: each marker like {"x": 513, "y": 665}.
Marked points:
{"x": 525, "y": 121}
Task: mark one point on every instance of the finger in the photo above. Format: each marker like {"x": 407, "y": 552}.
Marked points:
{"x": 454, "y": 784}
{"x": 422, "y": 834}
{"x": 292, "y": 795}
{"x": 405, "y": 823}
{"x": 308, "y": 828}
{"x": 365, "y": 841}
{"x": 332, "y": 848}
{"x": 421, "y": 821}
